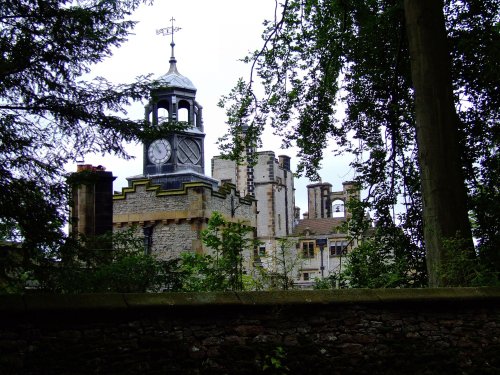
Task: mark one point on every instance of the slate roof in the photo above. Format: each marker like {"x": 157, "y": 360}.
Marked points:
{"x": 177, "y": 80}
{"x": 174, "y": 79}
{"x": 318, "y": 226}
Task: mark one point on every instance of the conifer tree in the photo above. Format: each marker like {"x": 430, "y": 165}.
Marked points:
{"x": 50, "y": 112}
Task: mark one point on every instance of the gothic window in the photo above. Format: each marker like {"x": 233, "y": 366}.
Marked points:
{"x": 188, "y": 151}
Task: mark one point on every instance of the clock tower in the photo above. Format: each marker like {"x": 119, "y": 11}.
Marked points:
{"x": 177, "y": 156}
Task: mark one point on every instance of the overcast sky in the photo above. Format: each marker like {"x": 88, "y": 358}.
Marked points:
{"x": 214, "y": 36}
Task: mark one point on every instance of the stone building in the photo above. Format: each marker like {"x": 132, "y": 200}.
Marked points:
{"x": 91, "y": 211}
{"x": 170, "y": 203}
{"x": 322, "y": 236}
{"x": 271, "y": 182}
{"x": 171, "y": 220}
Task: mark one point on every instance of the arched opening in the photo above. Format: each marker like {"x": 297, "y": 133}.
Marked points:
{"x": 338, "y": 208}
{"x": 183, "y": 114}
{"x": 183, "y": 111}
{"x": 163, "y": 115}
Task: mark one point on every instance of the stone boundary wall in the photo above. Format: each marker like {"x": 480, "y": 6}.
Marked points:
{"x": 391, "y": 331}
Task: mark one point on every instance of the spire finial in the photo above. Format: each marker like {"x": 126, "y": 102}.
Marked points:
{"x": 170, "y": 31}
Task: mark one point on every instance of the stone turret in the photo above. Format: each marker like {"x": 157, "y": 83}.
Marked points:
{"x": 321, "y": 197}
{"x": 92, "y": 201}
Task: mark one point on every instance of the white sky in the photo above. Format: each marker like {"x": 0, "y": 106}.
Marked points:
{"x": 215, "y": 35}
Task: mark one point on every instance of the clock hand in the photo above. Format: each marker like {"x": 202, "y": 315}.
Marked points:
{"x": 158, "y": 151}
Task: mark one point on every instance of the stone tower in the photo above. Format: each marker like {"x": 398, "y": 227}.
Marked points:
{"x": 177, "y": 156}
{"x": 271, "y": 182}
{"x": 170, "y": 204}
{"x": 91, "y": 209}
{"x": 320, "y": 198}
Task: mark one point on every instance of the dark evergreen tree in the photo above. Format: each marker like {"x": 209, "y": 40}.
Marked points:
{"x": 50, "y": 113}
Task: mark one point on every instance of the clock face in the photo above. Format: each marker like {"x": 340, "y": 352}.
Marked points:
{"x": 159, "y": 151}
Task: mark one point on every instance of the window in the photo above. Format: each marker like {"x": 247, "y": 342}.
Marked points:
{"x": 338, "y": 248}
{"x": 259, "y": 251}
{"x": 308, "y": 249}
{"x": 306, "y": 276}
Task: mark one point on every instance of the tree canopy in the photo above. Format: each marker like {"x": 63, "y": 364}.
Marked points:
{"x": 317, "y": 54}
{"x": 51, "y": 112}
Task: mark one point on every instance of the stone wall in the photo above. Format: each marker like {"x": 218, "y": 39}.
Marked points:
{"x": 273, "y": 189}
{"x": 432, "y": 331}
{"x": 177, "y": 217}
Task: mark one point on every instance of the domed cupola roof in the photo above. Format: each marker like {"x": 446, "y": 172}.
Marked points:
{"x": 173, "y": 78}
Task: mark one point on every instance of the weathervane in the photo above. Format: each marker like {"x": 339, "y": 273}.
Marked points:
{"x": 169, "y": 31}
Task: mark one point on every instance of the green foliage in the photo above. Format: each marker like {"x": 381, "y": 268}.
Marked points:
{"x": 460, "y": 269}
{"x": 386, "y": 255}
{"x": 13, "y": 276}
{"x": 317, "y": 54}
{"x": 333, "y": 281}
{"x": 50, "y": 113}
{"x": 279, "y": 268}
{"x": 473, "y": 32}
{"x": 274, "y": 363}
{"x": 384, "y": 261}
{"x": 223, "y": 269}
{"x": 200, "y": 273}
{"x": 323, "y": 283}
{"x": 367, "y": 267}
{"x": 260, "y": 277}
{"x": 244, "y": 118}
{"x": 255, "y": 282}
{"x": 108, "y": 263}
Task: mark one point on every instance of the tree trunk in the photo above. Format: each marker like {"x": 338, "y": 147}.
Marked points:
{"x": 443, "y": 189}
